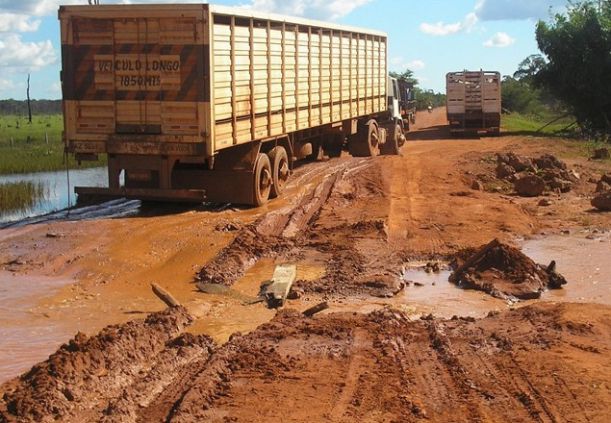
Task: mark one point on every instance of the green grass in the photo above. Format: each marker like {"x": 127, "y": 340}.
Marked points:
{"x": 519, "y": 123}
{"x": 23, "y": 195}
{"x": 24, "y": 147}
{"x": 577, "y": 146}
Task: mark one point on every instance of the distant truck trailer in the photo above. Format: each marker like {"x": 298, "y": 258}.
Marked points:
{"x": 195, "y": 102}
{"x": 473, "y": 102}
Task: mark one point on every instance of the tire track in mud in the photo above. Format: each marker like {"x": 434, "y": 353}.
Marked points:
{"x": 338, "y": 367}
{"x": 351, "y": 380}
{"x": 343, "y": 217}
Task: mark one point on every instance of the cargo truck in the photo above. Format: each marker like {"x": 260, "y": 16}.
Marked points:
{"x": 197, "y": 102}
{"x": 473, "y": 102}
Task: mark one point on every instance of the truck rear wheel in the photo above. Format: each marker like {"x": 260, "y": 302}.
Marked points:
{"x": 365, "y": 143}
{"x": 280, "y": 170}
{"x": 262, "y": 180}
{"x": 393, "y": 142}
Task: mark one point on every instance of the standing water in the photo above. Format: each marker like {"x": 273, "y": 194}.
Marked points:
{"x": 56, "y": 194}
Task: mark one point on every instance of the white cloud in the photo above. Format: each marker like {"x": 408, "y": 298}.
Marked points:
{"x": 55, "y": 88}
{"x": 11, "y": 22}
{"x": 415, "y": 64}
{"x": 315, "y": 9}
{"x": 400, "y": 64}
{"x": 442, "y": 29}
{"x": 500, "y": 40}
{"x": 35, "y": 7}
{"x": 6, "y": 84}
{"x": 490, "y": 10}
{"x": 19, "y": 56}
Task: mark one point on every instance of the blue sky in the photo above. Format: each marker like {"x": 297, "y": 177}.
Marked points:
{"x": 431, "y": 37}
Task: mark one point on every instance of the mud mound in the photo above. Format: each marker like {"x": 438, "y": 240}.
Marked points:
{"x": 534, "y": 176}
{"x": 245, "y": 250}
{"x": 504, "y": 272}
{"x": 90, "y": 376}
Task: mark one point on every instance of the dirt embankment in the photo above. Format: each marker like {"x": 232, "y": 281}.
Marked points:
{"x": 114, "y": 373}
{"x": 537, "y": 363}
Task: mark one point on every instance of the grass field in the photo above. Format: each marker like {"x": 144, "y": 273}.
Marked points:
{"x": 35, "y": 147}
{"x": 516, "y": 122}
{"x": 531, "y": 125}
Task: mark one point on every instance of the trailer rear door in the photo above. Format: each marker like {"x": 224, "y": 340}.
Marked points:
{"x": 135, "y": 71}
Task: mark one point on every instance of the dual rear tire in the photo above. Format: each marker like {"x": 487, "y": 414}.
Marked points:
{"x": 270, "y": 175}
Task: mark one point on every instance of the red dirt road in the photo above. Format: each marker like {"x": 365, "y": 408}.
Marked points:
{"x": 350, "y": 225}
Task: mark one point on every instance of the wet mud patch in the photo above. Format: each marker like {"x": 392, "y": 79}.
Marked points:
{"x": 504, "y": 272}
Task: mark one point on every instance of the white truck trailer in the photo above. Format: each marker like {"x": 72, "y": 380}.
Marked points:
{"x": 473, "y": 102}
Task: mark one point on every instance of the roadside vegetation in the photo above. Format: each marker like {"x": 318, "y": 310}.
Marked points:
{"x": 35, "y": 147}
{"x": 424, "y": 98}
{"x": 569, "y": 85}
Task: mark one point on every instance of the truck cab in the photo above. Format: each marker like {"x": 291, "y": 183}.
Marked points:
{"x": 401, "y": 102}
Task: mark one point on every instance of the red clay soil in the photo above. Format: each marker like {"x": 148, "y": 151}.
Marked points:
{"x": 504, "y": 272}
{"x": 538, "y": 363}
{"x": 115, "y": 372}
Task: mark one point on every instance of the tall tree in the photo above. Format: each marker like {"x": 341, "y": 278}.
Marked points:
{"x": 29, "y": 105}
{"x": 578, "y": 68}
{"x": 529, "y": 67}
{"x": 407, "y": 76}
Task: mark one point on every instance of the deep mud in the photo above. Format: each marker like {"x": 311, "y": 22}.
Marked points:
{"x": 504, "y": 272}
{"x": 313, "y": 225}
{"x": 537, "y": 363}
{"x": 114, "y": 373}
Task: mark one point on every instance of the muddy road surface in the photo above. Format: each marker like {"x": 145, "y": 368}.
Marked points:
{"x": 360, "y": 232}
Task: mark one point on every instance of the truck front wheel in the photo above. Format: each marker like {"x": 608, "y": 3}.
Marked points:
{"x": 262, "y": 180}
{"x": 394, "y": 141}
{"x": 280, "y": 170}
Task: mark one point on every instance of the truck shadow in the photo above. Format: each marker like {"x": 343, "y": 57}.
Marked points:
{"x": 429, "y": 134}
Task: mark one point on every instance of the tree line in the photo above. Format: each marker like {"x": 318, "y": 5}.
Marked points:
{"x": 39, "y": 107}
{"x": 573, "y": 73}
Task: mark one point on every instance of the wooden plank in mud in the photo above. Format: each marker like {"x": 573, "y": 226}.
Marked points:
{"x": 281, "y": 283}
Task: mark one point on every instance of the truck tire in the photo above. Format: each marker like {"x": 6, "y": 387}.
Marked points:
{"x": 365, "y": 143}
{"x": 280, "y": 170}
{"x": 393, "y": 142}
{"x": 262, "y": 180}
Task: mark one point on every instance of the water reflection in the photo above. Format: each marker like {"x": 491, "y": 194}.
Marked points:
{"x": 55, "y": 191}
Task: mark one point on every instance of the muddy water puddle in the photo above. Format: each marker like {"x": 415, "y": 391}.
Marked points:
{"x": 27, "y": 335}
{"x": 222, "y": 311}
{"x": 584, "y": 262}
